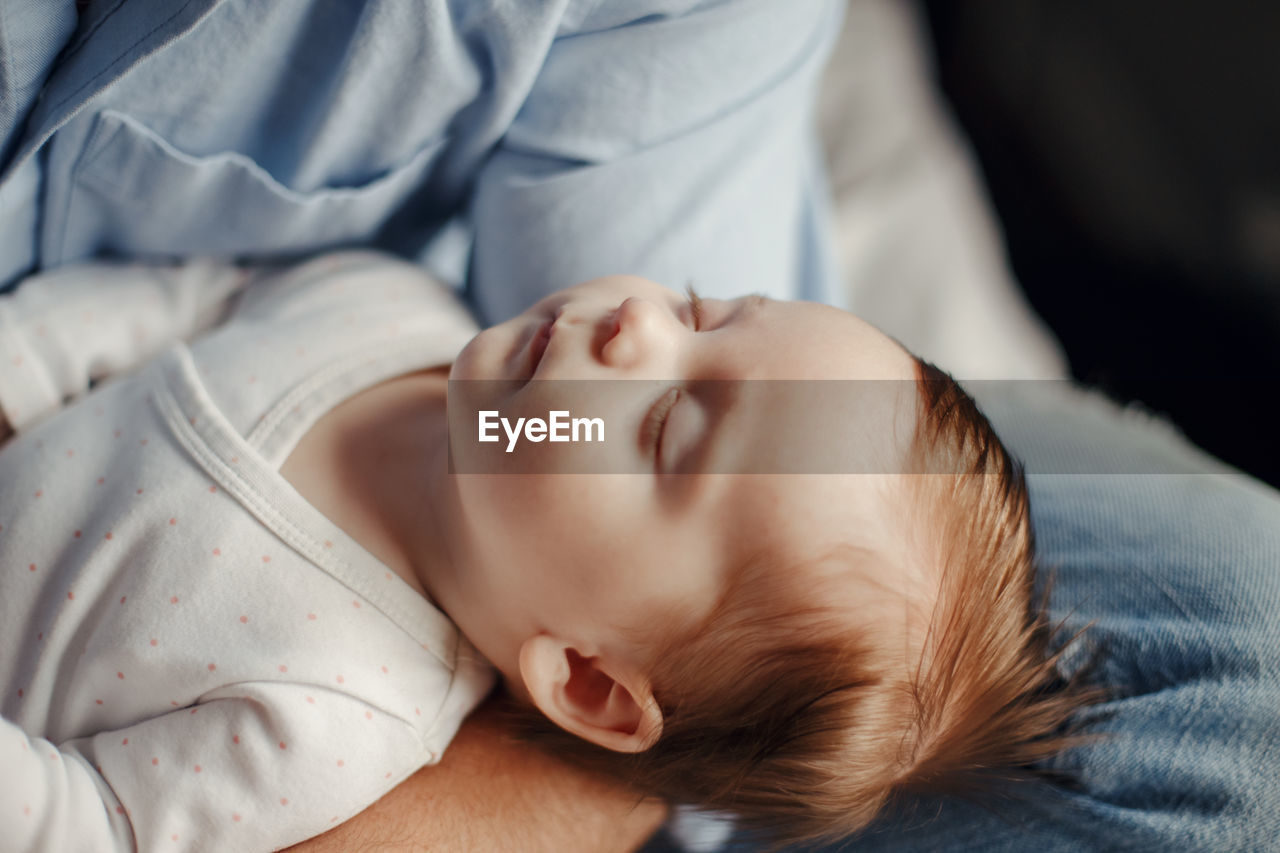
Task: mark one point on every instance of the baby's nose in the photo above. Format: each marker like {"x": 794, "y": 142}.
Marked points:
{"x": 637, "y": 328}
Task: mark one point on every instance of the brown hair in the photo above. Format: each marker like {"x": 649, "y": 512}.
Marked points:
{"x": 776, "y": 710}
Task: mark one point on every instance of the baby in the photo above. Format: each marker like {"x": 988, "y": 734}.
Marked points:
{"x": 226, "y": 575}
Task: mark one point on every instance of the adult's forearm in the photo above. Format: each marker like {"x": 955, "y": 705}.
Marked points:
{"x": 492, "y": 793}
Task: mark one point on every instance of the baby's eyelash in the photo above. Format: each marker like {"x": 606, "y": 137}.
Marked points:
{"x": 655, "y": 422}
{"x": 695, "y": 306}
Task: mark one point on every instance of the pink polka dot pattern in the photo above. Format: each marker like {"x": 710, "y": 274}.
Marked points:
{"x": 264, "y": 592}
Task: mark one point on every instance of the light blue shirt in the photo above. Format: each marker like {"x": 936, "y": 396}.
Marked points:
{"x": 513, "y": 147}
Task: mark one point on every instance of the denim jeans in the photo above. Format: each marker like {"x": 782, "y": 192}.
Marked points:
{"x": 1175, "y": 558}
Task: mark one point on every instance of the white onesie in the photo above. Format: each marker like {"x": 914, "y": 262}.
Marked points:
{"x": 191, "y": 655}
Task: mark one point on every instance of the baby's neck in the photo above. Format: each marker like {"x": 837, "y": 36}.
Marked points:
{"x": 368, "y": 463}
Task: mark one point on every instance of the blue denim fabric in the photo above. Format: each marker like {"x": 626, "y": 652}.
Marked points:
{"x": 514, "y": 148}
{"x": 1176, "y": 559}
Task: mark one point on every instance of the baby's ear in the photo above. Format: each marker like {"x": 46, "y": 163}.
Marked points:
{"x": 607, "y": 703}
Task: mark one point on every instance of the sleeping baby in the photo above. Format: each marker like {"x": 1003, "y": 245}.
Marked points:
{"x": 255, "y": 581}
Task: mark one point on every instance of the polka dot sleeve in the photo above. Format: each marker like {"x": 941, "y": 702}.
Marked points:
{"x": 254, "y": 767}
{"x": 51, "y": 800}
{"x": 61, "y": 330}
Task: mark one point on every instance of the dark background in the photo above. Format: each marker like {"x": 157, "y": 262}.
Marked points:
{"x": 1132, "y": 150}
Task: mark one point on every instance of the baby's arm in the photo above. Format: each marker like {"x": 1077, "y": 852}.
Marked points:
{"x": 251, "y": 767}
{"x": 49, "y": 800}
{"x": 62, "y": 330}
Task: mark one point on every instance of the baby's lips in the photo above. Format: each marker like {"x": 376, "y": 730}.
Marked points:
{"x": 538, "y": 345}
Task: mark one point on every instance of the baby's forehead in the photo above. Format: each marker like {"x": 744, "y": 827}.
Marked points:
{"x": 831, "y": 427}
{"x": 838, "y": 344}
{"x": 836, "y": 526}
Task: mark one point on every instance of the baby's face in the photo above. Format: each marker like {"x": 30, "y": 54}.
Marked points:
{"x": 681, "y": 500}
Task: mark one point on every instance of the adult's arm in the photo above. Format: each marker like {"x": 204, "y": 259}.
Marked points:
{"x": 491, "y": 793}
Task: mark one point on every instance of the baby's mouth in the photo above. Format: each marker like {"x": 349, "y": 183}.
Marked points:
{"x": 538, "y": 346}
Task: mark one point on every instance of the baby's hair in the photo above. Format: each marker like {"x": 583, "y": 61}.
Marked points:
{"x": 776, "y": 710}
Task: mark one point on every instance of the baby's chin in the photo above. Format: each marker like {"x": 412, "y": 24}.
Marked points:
{"x": 463, "y": 364}
{"x": 481, "y": 357}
